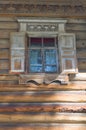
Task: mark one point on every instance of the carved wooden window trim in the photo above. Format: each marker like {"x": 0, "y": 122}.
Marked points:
{"x": 39, "y": 27}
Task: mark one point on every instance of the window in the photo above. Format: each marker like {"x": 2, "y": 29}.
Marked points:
{"x": 35, "y": 48}
{"x": 42, "y": 54}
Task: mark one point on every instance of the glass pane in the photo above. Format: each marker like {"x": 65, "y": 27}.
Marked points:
{"x": 35, "y": 68}
{"x": 49, "y": 42}
{"x": 50, "y": 68}
{"x": 50, "y": 57}
{"x": 35, "y": 61}
{"x": 35, "y": 42}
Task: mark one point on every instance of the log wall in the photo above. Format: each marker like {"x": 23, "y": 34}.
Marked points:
{"x": 43, "y": 107}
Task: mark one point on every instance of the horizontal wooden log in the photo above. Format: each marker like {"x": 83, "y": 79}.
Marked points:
{"x": 81, "y": 44}
{"x": 74, "y": 85}
{"x": 79, "y": 35}
{"x": 42, "y": 126}
{"x": 77, "y": 21}
{"x": 82, "y": 64}
{"x": 44, "y": 96}
{"x": 8, "y": 82}
{"x": 4, "y": 43}
{"x": 5, "y": 34}
{"x": 43, "y": 107}
{"x": 7, "y": 19}
{"x": 8, "y": 77}
{"x": 81, "y": 53}
{"x": 43, "y": 118}
{"x": 8, "y": 25}
{"x": 4, "y": 53}
{"x": 3, "y": 71}
{"x": 4, "y": 64}
{"x": 76, "y": 27}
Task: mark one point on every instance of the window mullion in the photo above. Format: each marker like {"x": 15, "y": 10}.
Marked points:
{"x": 42, "y": 56}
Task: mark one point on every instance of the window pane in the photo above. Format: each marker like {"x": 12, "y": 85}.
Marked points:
{"x": 35, "y": 42}
{"x": 35, "y": 61}
{"x": 49, "y": 42}
{"x": 35, "y": 68}
{"x": 50, "y": 56}
{"x": 50, "y": 68}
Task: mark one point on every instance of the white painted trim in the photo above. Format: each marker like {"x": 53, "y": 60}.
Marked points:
{"x": 40, "y": 20}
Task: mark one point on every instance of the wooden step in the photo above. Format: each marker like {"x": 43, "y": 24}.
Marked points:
{"x": 43, "y": 96}
{"x": 42, "y": 107}
{"x": 42, "y": 126}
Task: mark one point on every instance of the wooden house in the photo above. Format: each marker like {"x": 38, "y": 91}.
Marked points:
{"x": 42, "y": 64}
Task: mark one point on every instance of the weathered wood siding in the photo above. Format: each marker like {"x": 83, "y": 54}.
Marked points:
{"x": 54, "y": 107}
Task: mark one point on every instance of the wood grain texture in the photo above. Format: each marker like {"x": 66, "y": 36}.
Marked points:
{"x": 44, "y": 96}
{"x": 4, "y": 43}
{"x": 74, "y": 85}
{"x": 76, "y": 27}
{"x": 4, "y": 53}
{"x": 81, "y": 44}
{"x": 81, "y": 53}
{"x": 43, "y": 118}
{"x": 8, "y": 25}
{"x": 82, "y": 64}
{"x": 4, "y": 64}
{"x": 43, "y": 107}
{"x": 37, "y": 126}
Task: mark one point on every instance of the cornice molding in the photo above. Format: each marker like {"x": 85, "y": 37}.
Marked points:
{"x": 28, "y": 8}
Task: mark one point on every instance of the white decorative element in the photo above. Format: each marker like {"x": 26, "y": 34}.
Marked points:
{"x": 61, "y": 27}
{"x": 18, "y": 42}
{"x": 68, "y": 41}
{"x": 68, "y": 53}
{"x": 42, "y": 24}
{"x": 42, "y": 28}
{"x": 22, "y": 27}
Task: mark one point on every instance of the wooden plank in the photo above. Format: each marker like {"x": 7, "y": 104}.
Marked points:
{"x": 4, "y": 43}
{"x": 8, "y": 77}
{"x": 76, "y": 27}
{"x": 43, "y": 118}
{"x": 81, "y": 44}
{"x": 4, "y": 53}
{"x": 77, "y": 21}
{"x": 9, "y": 82}
{"x": 44, "y": 96}
{"x": 5, "y": 34}
{"x": 77, "y": 85}
{"x": 7, "y": 19}
{"x": 82, "y": 64}
{"x": 42, "y": 126}
{"x": 4, "y": 64}
{"x": 3, "y": 71}
{"x": 81, "y": 53}
{"x": 43, "y": 107}
{"x": 8, "y": 25}
{"x": 79, "y": 35}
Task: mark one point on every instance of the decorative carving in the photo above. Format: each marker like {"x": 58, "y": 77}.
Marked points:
{"x": 42, "y": 27}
